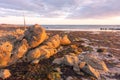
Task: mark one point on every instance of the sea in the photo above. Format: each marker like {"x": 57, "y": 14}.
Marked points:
{"x": 83, "y": 27}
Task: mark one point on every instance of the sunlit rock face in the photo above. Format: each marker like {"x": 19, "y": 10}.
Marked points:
{"x": 5, "y": 53}
{"x": 65, "y": 40}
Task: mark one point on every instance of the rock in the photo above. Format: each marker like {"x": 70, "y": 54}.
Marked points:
{"x": 76, "y": 69}
{"x": 4, "y": 73}
{"x": 69, "y": 78}
{"x": 50, "y": 52}
{"x": 89, "y": 70}
{"x": 71, "y": 60}
{"x": 36, "y": 61}
{"x": 54, "y": 76}
{"x": 95, "y": 62}
{"x": 40, "y": 53}
{"x": 20, "y": 49}
{"x": 76, "y": 49}
{"x": 35, "y": 35}
{"x": 53, "y": 42}
{"x": 33, "y": 54}
{"x": 5, "y": 53}
{"x": 65, "y": 40}
{"x": 58, "y": 70}
{"x": 101, "y": 50}
{"x": 73, "y": 46}
{"x": 46, "y": 50}
{"x": 58, "y": 60}
{"x": 76, "y": 39}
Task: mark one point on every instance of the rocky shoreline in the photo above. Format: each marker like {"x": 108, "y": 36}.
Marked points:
{"x": 37, "y": 54}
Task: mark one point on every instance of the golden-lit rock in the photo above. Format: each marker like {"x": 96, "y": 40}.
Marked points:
{"x": 53, "y": 42}
{"x": 65, "y": 40}
{"x": 5, "y": 53}
{"x": 50, "y": 52}
{"x": 34, "y": 54}
{"x": 54, "y": 76}
{"x": 4, "y": 73}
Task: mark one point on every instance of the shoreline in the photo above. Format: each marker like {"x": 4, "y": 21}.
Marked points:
{"x": 82, "y": 30}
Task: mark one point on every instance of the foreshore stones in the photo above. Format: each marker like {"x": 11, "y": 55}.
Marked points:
{"x": 34, "y": 45}
{"x": 35, "y": 35}
{"x": 5, "y": 53}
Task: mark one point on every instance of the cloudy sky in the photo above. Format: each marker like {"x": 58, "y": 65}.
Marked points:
{"x": 60, "y": 11}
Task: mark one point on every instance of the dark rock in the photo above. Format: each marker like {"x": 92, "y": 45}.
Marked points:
{"x": 35, "y": 35}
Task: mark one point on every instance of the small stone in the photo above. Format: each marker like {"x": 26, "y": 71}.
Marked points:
{"x": 58, "y": 60}
{"x": 4, "y": 73}
{"x": 54, "y": 76}
{"x": 101, "y": 50}
{"x": 58, "y": 70}
{"x": 69, "y": 78}
{"x": 65, "y": 40}
{"x": 35, "y": 61}
{"x": 70, "y": 60}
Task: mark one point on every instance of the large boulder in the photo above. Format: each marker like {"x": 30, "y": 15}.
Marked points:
{"x": 86, "y": 68}
{"x": 35, "y": 35}
{"x": 5, "y": 53}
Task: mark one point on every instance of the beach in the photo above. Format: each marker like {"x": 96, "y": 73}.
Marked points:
{"x": 90, "y": 40}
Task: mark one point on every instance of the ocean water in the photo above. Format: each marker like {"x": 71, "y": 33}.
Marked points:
{"x": 83, "y": 27}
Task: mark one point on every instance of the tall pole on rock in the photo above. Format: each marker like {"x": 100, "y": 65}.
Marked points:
{"x": 24, "y": 21}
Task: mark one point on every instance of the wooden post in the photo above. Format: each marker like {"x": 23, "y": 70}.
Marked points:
{"x": 24, "y": 21}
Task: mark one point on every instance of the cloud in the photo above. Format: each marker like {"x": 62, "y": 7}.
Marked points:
{"x": 97, "y": 9}
{"x": 73, "y": 9}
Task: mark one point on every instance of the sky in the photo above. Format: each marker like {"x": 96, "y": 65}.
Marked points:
{"x": 72, "y": 12}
